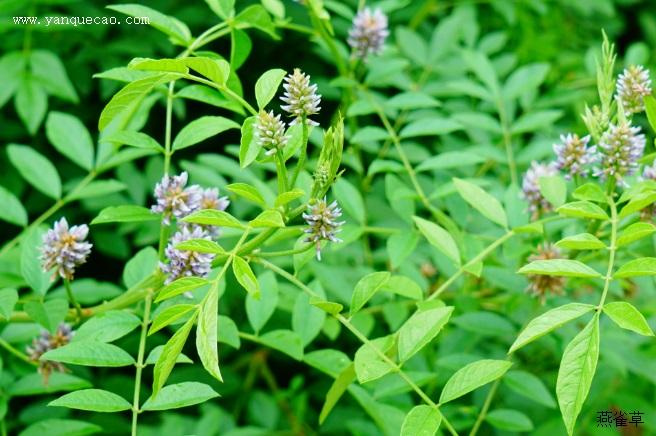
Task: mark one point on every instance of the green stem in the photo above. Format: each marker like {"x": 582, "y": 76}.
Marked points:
{"x": 282, "y": 172}
{"x": 140, "y": 363}
{"x": 72, "y": 300}
{"x": 290, "y": 252}
{"x": 486, "y": 407}
{"x": 22, "y": 356}
{"x": 167, "y": 135}
{"x": 346, "y": 323}
{"x": 612, "y": 249}
{"x": 303, "y": 156}
{"x": 482, "y": 255}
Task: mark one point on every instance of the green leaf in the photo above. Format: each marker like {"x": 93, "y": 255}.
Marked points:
{"x": 124, "y": 102}
{"x": 89, "y": 353}
{"x": 473, "y": 376}
{"x": 140, "y": 266}
{"x": 368, "y": 364}
{"x": 404, "y": 286}
{"x": 49, "y": 314}
{"x": 529, "y": 386}
{"x": 180, "y": 286}
{"x": 134, "y": 139}
{"x": 207, "y": 333}
{"x": 8, "y": 299}
{"x": 485, "y": 323}
{"x": 422, "y": 420}
{"x": 635, "y": 232}
{"x": 160, "y": 65}
{"x": 590, "y": 192}
{"x": 524, "y": 80}
{"x": 227, "y": 332}
{"x": 411, "y": 100}
{"x": 327, "y": 306}
{"x": 450, "y": 159}
{"x": 548, "y": 322}
{"x": 577, "y": 368}
{"x": 483, "y": 202}
{"x": 124, "y": 214}
{"x": 30, "y": 263}
{"x": 248, "y": 192}
{"x": 201, "y": 246}
{"x": 213, "y": 217}
{"x": 432, "y": 126}
{"x": 94, "y": 400}
{"x": 270, "y": 218}
{"x": 180, "y": 395}
{"x": 650, "y": 108}
{"x": 285, "y": 341}
{"x": 645, "y": 266}
{"x": 12, "y": 209}
{"x": 582, "y": 241}
{"x": 222, "y": 8}
{"x": 69, "y": 136}
{"x": 260, "y": 310}
{"x": 582, "y": 209}
{"x": 156, "y": 352}
{"x": 366, "y": 288}
{"x": 337, "y": 389}
{"x": 32, "y": 384}
{"x": 61, "y": 427}
{"x": 439, "y": 238}
{"x": 36, "y": 169}
{"x": 267, "y": 86}
{"x": 170, "y": 315}
{"x": 171, "y": 26}
{"x": 535, "y": 121}
{"x": 107, "y": 327}
{"x": 307, "y": 319}
{"x": 217, "y": 70}
{"x": 420, "y": 329}
{"x": 31, "y": 103}
{"x": 200, "y": 129}
{"x": 628, "y": 317}
{"x": 289, "y": 196}
{"x": 170, "y": 353}
{"x": 12, "y": 64}
{"x": 638, "y": 202}
{"x": 509, "y": 420}
{"x": 249, "y": 146}
{"x": 256, "y": 16}
{"x": 553, "y": 189}
{"x": 401, "y": 245}
{"x": 98, "y": 188}
{"x": 245, "y": 277}
{"x": 350, "y": 199}
{"x": 559, "y": 267}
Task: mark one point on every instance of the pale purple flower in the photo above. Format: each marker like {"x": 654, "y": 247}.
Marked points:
{"x": 649, "y": 172}
{"x": 46, "y": 342}
{"x": 621, "y": 146}
{"x": 322, "y": 221}
{"x": 537, "y": 204}
{"x": 65, "y": 248}
{"x": 301, "y": 97}
{"x": 270, "y": 132}
{"x": 209, "y": 199}
{"x": 632, "y": 86}
{"x": 185, "y": 263}
{"x": 368, "y": 32}
{"x": 573, "y": 156}
{"x": 175, "y": 198}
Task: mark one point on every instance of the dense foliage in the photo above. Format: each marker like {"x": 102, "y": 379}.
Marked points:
{"x": 277, "y": 217}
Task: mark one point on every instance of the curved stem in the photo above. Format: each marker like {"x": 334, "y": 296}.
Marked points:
{"x": 12, "y": 350}
{"x": 290, "y": 252}
{"x": 72, "y": 300}
{"x": 282, "y": 172}
{"x": 486, "y": 407}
